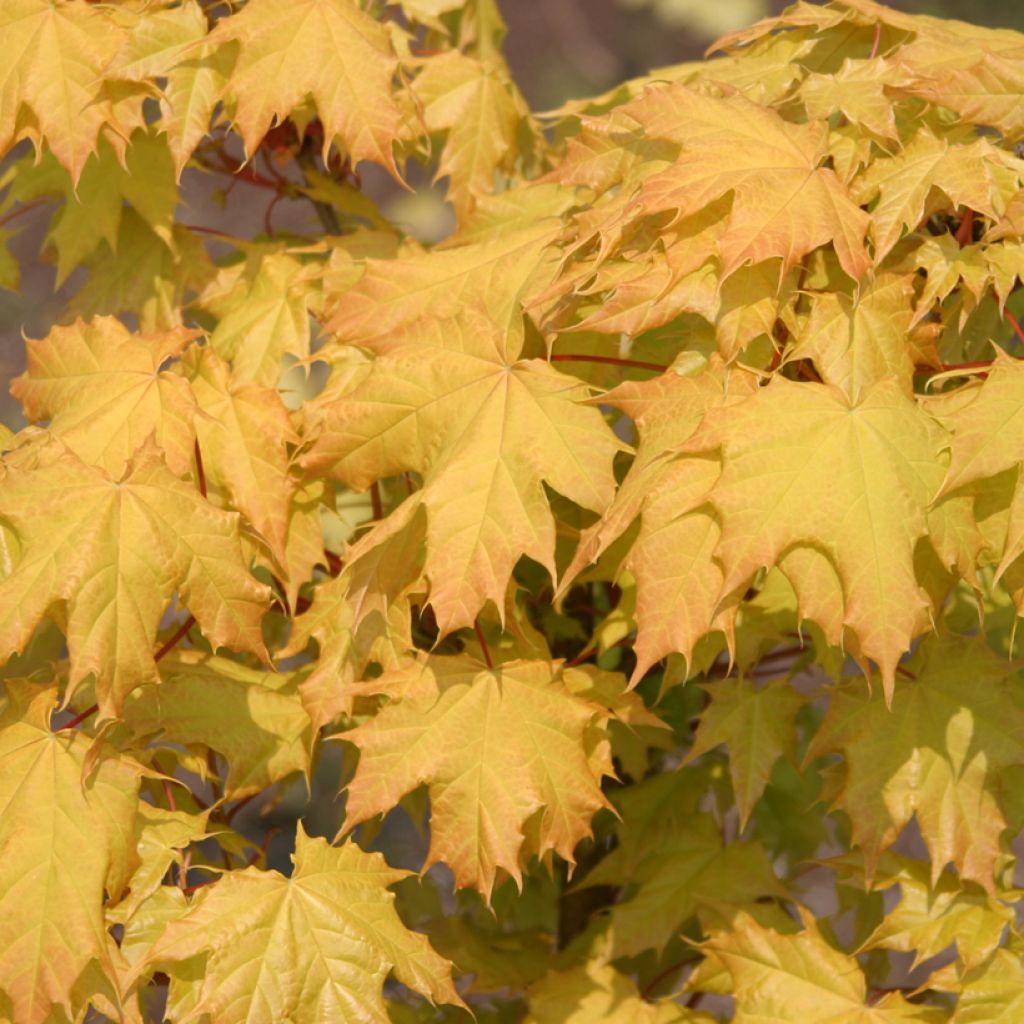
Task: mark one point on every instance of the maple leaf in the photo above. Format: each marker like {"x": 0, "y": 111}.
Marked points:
{"x": 263, "y": 312}
{"x": 758, "y": 724}
{"x": 163, "y": 44}
{"x": 734, "y": 145}
{"x": 493, "y": 276}
{"x": 330, "y": 50}
{"x": 142, "y": 175}
{"x": 673, "y": 871}
{"x": 244, "y": 439}
{"x": 49, "y": 83}
{"x": 857, "y": 341}
{"x": 334, "y": 916}
{"x": 454, "y": 402}
{"x": 800, "y": 977}
{"x": 596, "y": 993}
{"x": 992, "y": 993}
{"x": 986, "y": 438}
{"x": 480, "y": 109}
{"x": 512, "y": 758}
{"x": 65, "y": 840}
{"x": 930, "y": 917}
{"x": 255, "y": 719}
{"x": 972, "y": 175}
{"x": 160, "y": 835}
{"x": 671, "y": 555}
{"x": 114, "y": 550}
{"x": 802, "y": 466}
{"x": 360, "y": 615}
{"x": 105, "y": 392}
{"x": 936, "y": 755}
{"x": 858, "y": 90}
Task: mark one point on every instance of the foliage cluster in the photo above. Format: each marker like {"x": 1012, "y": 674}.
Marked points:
{"x": 653, "y": 544}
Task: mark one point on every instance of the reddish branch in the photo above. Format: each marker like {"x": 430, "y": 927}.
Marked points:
{"x": 636, "y": 364}
{"x": 485, "y": 650}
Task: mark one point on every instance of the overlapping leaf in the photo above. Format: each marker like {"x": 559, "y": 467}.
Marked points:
{"x": 512, "y": 758}
{"x": 65, "y": 841}
{"x": 113, "y": 550}
{"x": 333, "y": 916}
{"x": 453, "y": 401}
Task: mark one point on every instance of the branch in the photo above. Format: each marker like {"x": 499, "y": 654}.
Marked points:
{"x": 608, "y": 360}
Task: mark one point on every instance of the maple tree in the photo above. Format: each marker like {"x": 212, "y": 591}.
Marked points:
{"x": 636, "y": 568}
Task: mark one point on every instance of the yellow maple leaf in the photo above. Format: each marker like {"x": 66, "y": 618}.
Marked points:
{"x": 114, "y": 550}
{"x": 977, "y": 175}
{"x": 244, "y": 439}
{"x": 596, "y": 993}
{"x": 857, "y": 340}
{"x": 805, "y": 468}
{"x": 334, "y": 918}
{"x": 453, "y": 401}
{"x": 330, "y": 50}
{"x": 792, "y": 979}
{"x": 105, "y": 392}
{"x": 166, "y": 44}
{"x": 512, "y": 757}
{"x": 477, "y": 104}
{"x": 65, "y": 839}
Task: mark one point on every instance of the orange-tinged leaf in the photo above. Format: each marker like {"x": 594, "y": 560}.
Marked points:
{"x": 105, "y": 393}
{"x": 479, "y": 108}
{"x": 935, "y": 754}
{"x": 802, "y": 465}
{"x": 115, "y": 550}
{"x": 316, "y": 946}
{"x": 65, "y": 840}
{"x": 970, "y": 175}
{"x": 858, "y": 90}
{"x": 797, "y": 978}
{"x": 493, "y": 276}
{"x": 678, "y": 583}
{"x": 453, "y": 402}
{"x": 985, "y": 88}
{"x": 495, "y": 747}
{"x": 330, "y": 50}
{"x": 784, "y": 204}
{"x": 162, "y": 44}
{"x": 54, "y": 56}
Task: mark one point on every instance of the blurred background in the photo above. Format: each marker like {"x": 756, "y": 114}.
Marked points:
{"x": 560, "y": 49}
